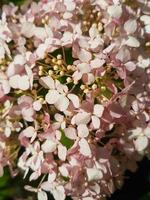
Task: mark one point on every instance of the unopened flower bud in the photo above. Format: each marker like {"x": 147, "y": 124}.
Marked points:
{"x": 69, "y": 80}
{"x": 40, "y": 67}
{"x": 82, "y": 87}
{"x": 50, "y": 72}
{"x": 59, "y": 56}
{"x": 59, "y": 62}
{"x": 55, "y": 67}
{"x": 86, "y": 91}
{"x": 94, "y": 86}
{"x": 62, "y": 73}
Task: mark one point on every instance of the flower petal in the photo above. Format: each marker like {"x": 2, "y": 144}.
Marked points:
{"x": 47, "y": 82}
{"x": 94, "y": 174}
{"x": 42, "y": 195}
{"x": 130, "y": 26}
{"x": 141, "y": 143}
{"x": 85, "y": 148}
{"x": 52, "y": 96}
{"x": 132, "y": 42}
{"x": 62, "y": 152}
{"x": 98, "y": 110}
{"x": 95, "y": 122}
{"x": 74, "y": 99}
{"x": 83, "y": 131}
{"x": 62, "y": 103}
{"x": 49, "y": 146}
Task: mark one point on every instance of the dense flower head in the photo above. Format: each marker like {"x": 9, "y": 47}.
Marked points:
{"x": 74, "y": 94}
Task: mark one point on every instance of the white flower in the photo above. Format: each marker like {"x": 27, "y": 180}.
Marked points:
{"x": 49, "y": 146}
{"x": 94, "y": 174}
{"x": 142, "y": 137}
{"x": 85, "y": 148}
{"x": 130, "y": 26}
{"x": 115, "y": 11}
{"x": 132, "y": 42}
{"x": 83, "y": 130}
{"x": 146, "y": 20}
{"x": 57, "y": 94}
{"x": 42, "y": 195}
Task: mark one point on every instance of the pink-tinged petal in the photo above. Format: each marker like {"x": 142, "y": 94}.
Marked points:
{"x": 94, "y": 174}
{"x": 58, "y": 117}
{"x": 96, "y": 63}
{"x": 70, "y": 133}
{"x": 62, "y": 152}
{"x": 115, "y": 11}
{"x": 132, "y": 42}
{"x": 60, "y": 87}
{"x": 63, "y": 170}
{"x": 13, "y": 81}
{"x": 116, "y": 110}
{"x": 98, "y": 110}
{"x": 123, "y": 55}
{"x": 77, "y": 76}
{"x": 30, "y": 188}
{"x": 90, "y": 78}
{"x": 40, "y": 52}
{"x": 147, "y": 29}
{"x": 7, "y": 131}
{"x": 27, "y": 114}
{"x": 62, "y": 103}
{"x": 84, "y": 67}
{"x": 95, "y": 122}
{"x": 67, "y": 38}
{"x": 40, "y": 32}
{"x": 46, "y": 186}
{"x": 27, "y": 29}
{"x": 84, "y": 148}
{"x": 130, "y": 66}
{"x": 84, "y": 55}
{"x": 96, "y": 188}
{"x": 42, "y": 195}
{"x": 70, "y": 5}
{"x": 2, "y": 52}
{"x": 147, "y": 132}
{"x": 109, "y": 48}
{"x": 19, "y": 60}
{"x": 29, "y": 131}
{"x": 83, "y": 131}
{"x": 29, "y": 74}
{"x": 67, "y": 15}
{"x": 81, "y": 118}
{"x": 6, "y": 86}
{"x": 141, "y": 143}
{"x": 58, "y": 193}
{"x": 93, "y": 32}
{"x": 96, "y": 44}
{"x": 74, "y": 99}
{"x": 145, "y": 19}
{"x": 34, "y": 176}
{"x": 51, "y": 177}
{"x": 130, "y": 26}
{"x": 49, "y": 146}
{"x": 47, "y": 82}
{"x": 52, "y": 96}
{"x": 37, "y": 105}
{"x": 23, "y": 82}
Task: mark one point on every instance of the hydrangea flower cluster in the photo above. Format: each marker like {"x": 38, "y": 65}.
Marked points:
{"x": 74, "y": 94}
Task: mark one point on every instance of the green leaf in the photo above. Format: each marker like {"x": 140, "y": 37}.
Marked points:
{"x": 66, "y": 141}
